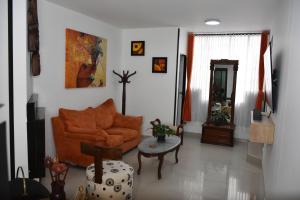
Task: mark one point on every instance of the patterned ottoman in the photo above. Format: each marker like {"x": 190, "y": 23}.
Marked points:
{"x": 117, "y": 181}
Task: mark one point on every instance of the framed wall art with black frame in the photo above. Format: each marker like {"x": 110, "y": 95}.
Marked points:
{"x": 137, "y": 48}
{"x": 159, "y": 64}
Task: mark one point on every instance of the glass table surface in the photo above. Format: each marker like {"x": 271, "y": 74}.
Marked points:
{"x": 150, "y": 144}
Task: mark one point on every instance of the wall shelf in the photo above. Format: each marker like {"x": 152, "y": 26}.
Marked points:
{"x": 262, "y": 131}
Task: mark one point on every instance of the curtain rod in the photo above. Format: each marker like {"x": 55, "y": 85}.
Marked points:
{"x": 218, "y": 34}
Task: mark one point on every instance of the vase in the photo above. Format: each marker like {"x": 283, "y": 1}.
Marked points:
{"x": 161, "y": 138}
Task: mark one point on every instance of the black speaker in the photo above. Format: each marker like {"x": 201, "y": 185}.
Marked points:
{"x": 35, "y": 138}
{"x": 4, "y": 186}
{"x": 257, "y": 115}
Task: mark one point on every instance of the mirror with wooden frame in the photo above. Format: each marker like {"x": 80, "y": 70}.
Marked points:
{"x": 219, "y": 127}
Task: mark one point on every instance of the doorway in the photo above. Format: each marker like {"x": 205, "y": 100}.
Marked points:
{"x": 181, "y": 88}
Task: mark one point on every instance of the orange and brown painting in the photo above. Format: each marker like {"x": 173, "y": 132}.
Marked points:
{"x": 159, "y": 65}
{"x": 85, "y": 60}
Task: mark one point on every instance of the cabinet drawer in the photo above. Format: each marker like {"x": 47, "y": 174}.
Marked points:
{"x": 216, "y": 136}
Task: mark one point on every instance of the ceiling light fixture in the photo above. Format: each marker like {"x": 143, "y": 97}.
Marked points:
{"x": 212, "y": 22}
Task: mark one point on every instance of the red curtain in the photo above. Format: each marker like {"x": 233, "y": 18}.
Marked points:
{"x": 187, "y": 105}
{"x": 263, "y": 48}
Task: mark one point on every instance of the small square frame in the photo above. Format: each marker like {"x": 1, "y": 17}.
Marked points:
{"x": 137, "y": 48}
{"x": 159, "y": 64}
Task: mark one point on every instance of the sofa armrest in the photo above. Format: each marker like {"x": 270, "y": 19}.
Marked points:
{"x": 132, "y": 122}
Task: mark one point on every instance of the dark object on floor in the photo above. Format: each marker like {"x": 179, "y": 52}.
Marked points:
{"x": 26, "y": 189}
{"x": 124, "y": 80}
{"x": 257, "y": 115}
{"x": 58, "y": 172}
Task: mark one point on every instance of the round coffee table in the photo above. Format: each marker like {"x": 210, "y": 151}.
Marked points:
{"x": 149, "y": 147}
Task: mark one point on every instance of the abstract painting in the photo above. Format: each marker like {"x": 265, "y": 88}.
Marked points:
{"x": 85, "y": 60}
{"x": 137, "y": 48}
{"x": 159, "y": 64}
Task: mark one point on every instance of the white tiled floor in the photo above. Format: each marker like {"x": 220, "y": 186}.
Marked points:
{"x": 204, "y": 172}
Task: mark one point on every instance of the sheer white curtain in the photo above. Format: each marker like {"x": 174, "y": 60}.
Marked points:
{"x": 244, "y": 48}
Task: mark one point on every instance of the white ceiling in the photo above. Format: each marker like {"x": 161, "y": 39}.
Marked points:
{"x": 234, "y": 14}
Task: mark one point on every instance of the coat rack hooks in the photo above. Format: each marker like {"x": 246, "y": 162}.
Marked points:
{"x": 124, "y": 79}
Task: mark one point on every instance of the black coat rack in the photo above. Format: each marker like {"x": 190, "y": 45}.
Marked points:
{"x": 124, "y": 80}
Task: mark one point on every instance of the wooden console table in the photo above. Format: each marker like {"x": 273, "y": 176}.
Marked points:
{"x": 262, "y": 131}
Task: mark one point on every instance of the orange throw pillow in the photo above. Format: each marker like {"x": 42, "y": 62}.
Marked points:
{"x": 81, "y": 119}
{"x": 105, "y": 114}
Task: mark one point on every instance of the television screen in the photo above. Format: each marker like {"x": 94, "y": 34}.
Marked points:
{"x": 268, "y": 77}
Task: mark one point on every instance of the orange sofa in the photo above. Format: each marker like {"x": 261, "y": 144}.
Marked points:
{"x": 101, "y": 126}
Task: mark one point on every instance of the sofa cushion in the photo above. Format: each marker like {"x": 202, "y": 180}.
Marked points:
{"x": 85, "y": 137}
{"x": 114, "y": 140}
{"x": 105, "y": 114}
{"x": 128, "y": 134}
{"x": 78, "y": 118}
{"x": 126, "y": 121}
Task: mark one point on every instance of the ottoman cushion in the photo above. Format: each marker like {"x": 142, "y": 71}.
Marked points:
{"x": 117, "y": 181}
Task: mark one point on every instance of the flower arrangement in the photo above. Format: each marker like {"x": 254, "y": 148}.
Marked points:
{"x": 220, "y": 118}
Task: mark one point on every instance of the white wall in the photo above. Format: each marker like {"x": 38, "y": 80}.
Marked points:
{"x": 50, "y": 85}
{"x": 150, "y": 94}
{"x": 281, "y": 161}
{"x": 4, "y": 111}
{"x": 21, "y": 82}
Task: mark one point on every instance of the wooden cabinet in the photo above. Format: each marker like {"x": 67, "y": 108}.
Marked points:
{"x": 222, "y": 135}
{"x": 219, "y": 126}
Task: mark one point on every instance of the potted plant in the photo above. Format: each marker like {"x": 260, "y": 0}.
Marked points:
{"x": 161, "y": 130}
{"x": 219, "y": 118}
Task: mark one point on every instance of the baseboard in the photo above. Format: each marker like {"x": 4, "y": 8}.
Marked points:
{"x": 235, "y": 139}
{"x": 241, "y": 140}
{"x": 255, "y": 161}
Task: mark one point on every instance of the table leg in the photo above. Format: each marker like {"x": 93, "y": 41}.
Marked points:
{"x": 176, "y": 153}
{"x": 161, "y": 160}
{"x": 140, "y": 163}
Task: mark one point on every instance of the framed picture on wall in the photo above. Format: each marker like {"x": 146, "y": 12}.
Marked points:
{"x": 159, "y": 64}
{"x": 85, "y": 60}
{"x": 137, "y": 48}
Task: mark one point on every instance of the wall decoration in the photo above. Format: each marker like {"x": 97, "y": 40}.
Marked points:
{"x": 33, "y": 37}
{"x": 159, "y": 64}
{"x": 85, "y": 60}
{"x": 137, "y": 48}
